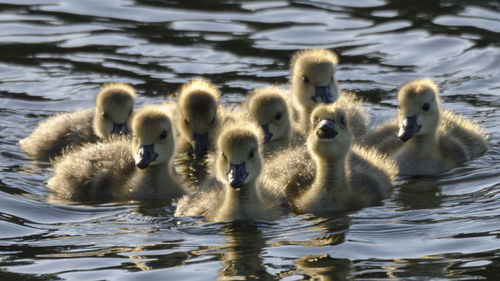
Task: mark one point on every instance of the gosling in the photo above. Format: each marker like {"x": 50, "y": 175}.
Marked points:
{"x": 330, "y": 174}
{"x": 113, "y": 109}
{"x": 119, "y": 170}
{"x": 268, "y": 106}
{"x": 425, "y": 140}
{"x": 236, "y": 193}
{"x": 313, "y": 82}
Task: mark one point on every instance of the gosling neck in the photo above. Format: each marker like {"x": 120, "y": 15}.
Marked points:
{"x": 274, "y": 145}
{"x": 161, "y": 176}
{"x": 238, "y": 204}
{"x": 331, "y": 178}
{"x": 423, "y": 145}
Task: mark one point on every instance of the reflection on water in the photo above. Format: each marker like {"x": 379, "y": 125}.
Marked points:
{"x": 241, "y": 255}
{"x": 55, "y": 54}
{"x": 324, "y": 268}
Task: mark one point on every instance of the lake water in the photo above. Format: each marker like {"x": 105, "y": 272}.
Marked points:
{"x": 55, "y": 54}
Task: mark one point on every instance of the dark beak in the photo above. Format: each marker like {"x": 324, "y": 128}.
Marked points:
{"x": 120, "y": 129}
{"x": 326, "y": 129}
{"x": 237, "y": 175}
{"x": 145, "y": 156}
{"x": 200, "y": 145}
{"x": 323, "y": 95}
{"x": 408, "y": 128}
{"x": 267, "y": 133}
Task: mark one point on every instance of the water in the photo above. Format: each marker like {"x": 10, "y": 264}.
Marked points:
{"x": 55, "y": 54}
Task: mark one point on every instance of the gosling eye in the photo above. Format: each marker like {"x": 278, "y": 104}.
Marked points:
{"x": 426, "y": 106}
{"x": 251, "y": 154}
{"x": 305, "y": 79}
{"x": 105, "y": 115}
{"x": 186, "y": 122}
{"x": 315, "y": 121}
{"x": 163, "y": 135}
{"x": 278, "y": 116}
{"x": 224, "y": 157}
{"x": 342, "y": 120}
{"x": 213, "y": 121}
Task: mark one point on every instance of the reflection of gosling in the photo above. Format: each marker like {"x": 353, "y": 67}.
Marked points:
{"x": 333, "y": 175}
{"x": 313, "y": 82}
{"x": 268, "y": 106}
{"x": 118, "y": 170}
{"x": 325, "y": 268}
{"x": 426, "y": 140}
{"x": 238, "y": 193}
{"x": 114, "y": 105}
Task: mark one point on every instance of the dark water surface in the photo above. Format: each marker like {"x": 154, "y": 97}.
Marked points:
{"x": 55, "y": 54}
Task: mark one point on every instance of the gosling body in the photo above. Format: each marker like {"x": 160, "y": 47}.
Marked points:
{"x": 426, "y": 140}
{"x": 114, "y": 105}
{"x": 120, "y": 169}
{"x": 330, "y": 174}
{"x": 237, "y": 192}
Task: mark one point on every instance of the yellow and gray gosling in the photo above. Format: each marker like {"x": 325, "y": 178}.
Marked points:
{"x": 268, "y": 106}
{"x": 120, "y": 170}
{"x": 426, "y": 140}
{"x": 330, "y": 174}
{"x": 313, "y": 82}
{"x": 114, "y": 105}
{"x": 198, "y": 115}
{"x": 236, "y": 193}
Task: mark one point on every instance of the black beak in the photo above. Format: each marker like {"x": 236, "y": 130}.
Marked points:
{"x": 323, "y": 94}
{"x": 120, "y": 129}
{"x": 267, "y": 133}
{"x": 200, "y": 145}
{"x": 408, "y": 128}
{"x": 145, "y": 156}
{"x": 237, "y": 175}
{"x": 326, "y": 129}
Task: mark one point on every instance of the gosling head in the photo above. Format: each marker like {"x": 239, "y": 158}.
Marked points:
{"x": 239, "y": 156}
{"x": 313, "y": 77}
{"x": 114, "y": 105}
{"x": 153, "y": 141}
{"x": 329, "y": 138}
{"x": 268, "y": 107}
{"x": 418, "y": 108}
{"x": 197, "y": 114}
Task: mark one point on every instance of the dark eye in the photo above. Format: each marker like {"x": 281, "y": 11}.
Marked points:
{"x": 163, "y": 135}
{"x": 224, "y": 156}
{"x": 130, "y": 113}
{"x": 399, "y": 107}
{"x": 105, "y": 115}
{"x": 342, "y": 120}
{"x": 186, "y": 122}
{"x": 278, "y": 116}
{"x": 305, "y": 79}
{"x": 251, "y": 154}
{"x": 426, "y": 106}
{"x": 213, "y": 121}
{"x": 315, "y": 121}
